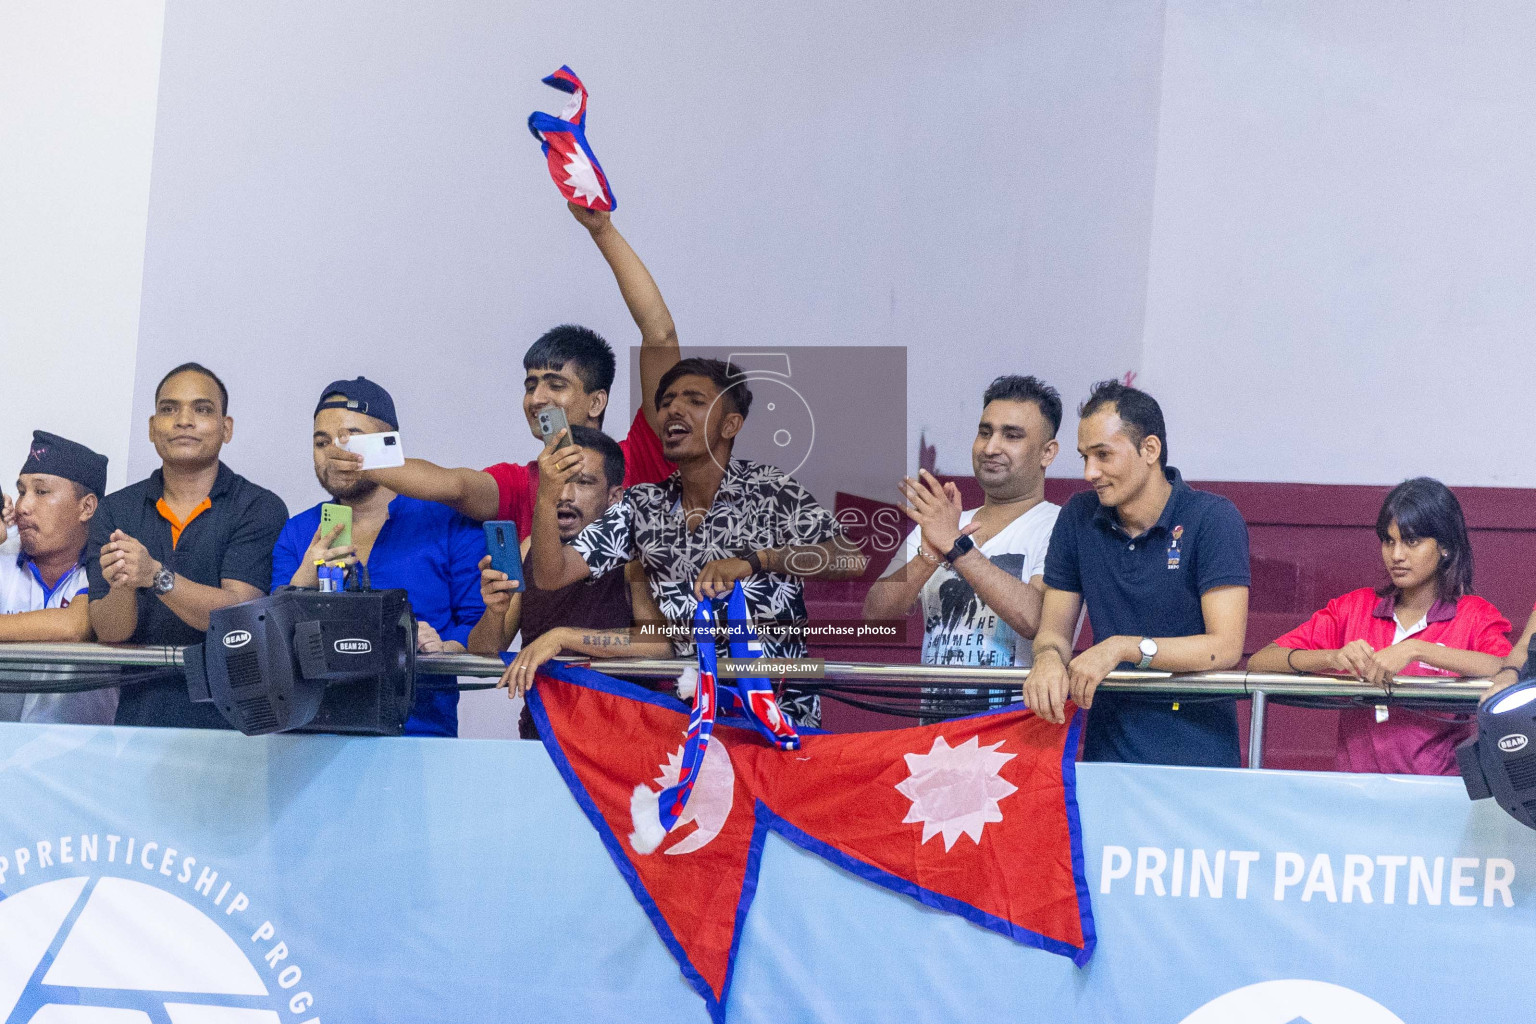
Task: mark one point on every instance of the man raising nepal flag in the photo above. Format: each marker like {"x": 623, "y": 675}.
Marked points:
{"x": 976, "y": 816}
{"x": 570, "y": 368}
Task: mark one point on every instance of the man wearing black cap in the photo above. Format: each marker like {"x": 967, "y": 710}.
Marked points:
{"x": 43, "y": 585}
{"x": 168, "y": 551}
{"x": 424, "y": 548}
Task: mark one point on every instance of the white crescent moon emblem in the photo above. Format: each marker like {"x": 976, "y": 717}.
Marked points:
{"x": 710, "y": 803}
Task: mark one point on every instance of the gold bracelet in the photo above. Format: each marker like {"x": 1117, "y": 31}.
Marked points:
{"x": 931, "y": 559}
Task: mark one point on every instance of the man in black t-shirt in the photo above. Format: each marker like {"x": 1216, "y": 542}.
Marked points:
{"x": 170, "y": 550}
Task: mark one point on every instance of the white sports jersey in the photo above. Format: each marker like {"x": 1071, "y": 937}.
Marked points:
{"x": 22, "y": 590}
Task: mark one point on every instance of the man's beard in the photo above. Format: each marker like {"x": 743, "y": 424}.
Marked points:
{"x": 361, "y": 489}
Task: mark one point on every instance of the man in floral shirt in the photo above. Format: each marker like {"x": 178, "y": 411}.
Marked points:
{"x": 714, "y": 521}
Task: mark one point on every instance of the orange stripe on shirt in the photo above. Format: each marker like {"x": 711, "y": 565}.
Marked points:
{"x": 178, "y": 525}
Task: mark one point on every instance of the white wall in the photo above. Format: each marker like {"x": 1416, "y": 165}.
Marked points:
{"x": 77, "y": 116}
{"x": 1307, "y": 213}
{"x": 350, "y": 188}
{"x": 1344, "y": 240}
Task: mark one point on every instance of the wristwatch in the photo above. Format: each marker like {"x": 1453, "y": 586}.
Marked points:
{"x": 164, "y": 581}
{"x": 962, "y": 545}
{"x": 1148, "y": 649}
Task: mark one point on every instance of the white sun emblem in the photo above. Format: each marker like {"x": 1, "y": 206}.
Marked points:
{"x": 582, "y": 177}
{"x": 955, "y": 790}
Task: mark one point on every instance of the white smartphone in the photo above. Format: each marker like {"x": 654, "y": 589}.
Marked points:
{"x": 379, "y": 451}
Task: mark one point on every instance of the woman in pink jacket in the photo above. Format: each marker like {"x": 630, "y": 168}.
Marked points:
{"x": 1424, "y": 620}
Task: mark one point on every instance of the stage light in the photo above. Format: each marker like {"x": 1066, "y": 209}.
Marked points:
{"x": 1500, "y": 761}
{"x": 302, "y": 660}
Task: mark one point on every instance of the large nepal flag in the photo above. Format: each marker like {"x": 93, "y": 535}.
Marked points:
{"x": 976, "y": 816}
{"x": 572, "y": 164}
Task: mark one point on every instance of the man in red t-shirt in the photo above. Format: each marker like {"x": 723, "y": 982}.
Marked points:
{"x": 571, "y": 368}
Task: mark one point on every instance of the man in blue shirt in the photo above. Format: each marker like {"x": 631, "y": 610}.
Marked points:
{"x": 424, "y": 548}
{"x": 1164, "y": 570}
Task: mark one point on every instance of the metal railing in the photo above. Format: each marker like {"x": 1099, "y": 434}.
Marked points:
{"x": 1259, "y": 687}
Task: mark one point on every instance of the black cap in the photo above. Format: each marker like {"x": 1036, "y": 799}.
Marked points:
{"x": 361, "y": 395}
{"x": 59, "y": 456}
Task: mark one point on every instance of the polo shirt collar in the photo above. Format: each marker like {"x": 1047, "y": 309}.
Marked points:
{"x": 221, "y": 484}
{"x": 1440, "y": 611}
{"x": 23, "y": 559}
{"x": 1165, "y": 522}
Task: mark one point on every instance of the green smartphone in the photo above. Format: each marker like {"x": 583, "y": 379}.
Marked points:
{"x": 330, "y": 515}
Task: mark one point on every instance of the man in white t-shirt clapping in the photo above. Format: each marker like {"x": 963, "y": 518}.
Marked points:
{"x": 979, "y": 572}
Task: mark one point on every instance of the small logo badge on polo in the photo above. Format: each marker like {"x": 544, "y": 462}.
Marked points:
{"x": 237, "y": 638}
{"x": 1173, "y": 547}
{"x": 353, "y": 645}
{"x": 1517, "y": 741}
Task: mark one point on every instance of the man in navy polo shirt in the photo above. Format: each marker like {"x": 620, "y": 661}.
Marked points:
{"x": 421, "y": 547}
{"x": 1164, "y": 569}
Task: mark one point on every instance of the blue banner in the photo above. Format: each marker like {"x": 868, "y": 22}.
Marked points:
{"x": 178, "y": 877}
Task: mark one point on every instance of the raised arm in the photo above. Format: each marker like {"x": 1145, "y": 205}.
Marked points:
{"x": 936, "y": 509}
{"x": 658, "y": 334}
{"x": 470, "y": 492}
{"x": 503, "y": 615}
{"x": 553, "y": 564}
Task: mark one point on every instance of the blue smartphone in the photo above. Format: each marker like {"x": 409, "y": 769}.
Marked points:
{"x": 502, "y": 545}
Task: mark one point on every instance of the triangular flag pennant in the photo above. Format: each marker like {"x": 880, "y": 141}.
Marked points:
{"x": 572, "y": 164}
{"x": 976, "y": 816}
{"x": 606, "y": 737}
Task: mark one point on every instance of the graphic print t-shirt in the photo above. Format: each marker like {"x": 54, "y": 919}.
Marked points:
{"x": 958, "y": 628}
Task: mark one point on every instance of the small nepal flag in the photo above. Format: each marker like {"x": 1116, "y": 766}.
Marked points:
{"x": 976, "y": 816}
{"x": 572, "y": 164}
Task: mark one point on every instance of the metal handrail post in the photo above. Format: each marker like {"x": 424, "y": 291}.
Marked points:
{"x": 1256, "y": 729}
